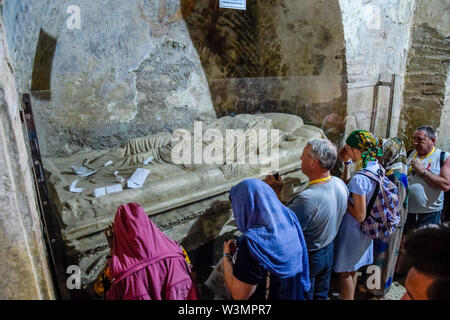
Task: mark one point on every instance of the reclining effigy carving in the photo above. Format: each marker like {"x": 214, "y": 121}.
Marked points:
{"x": 174, "y": 195}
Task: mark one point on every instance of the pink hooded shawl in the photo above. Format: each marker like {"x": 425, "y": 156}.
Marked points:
{"x": 146, "y": 264}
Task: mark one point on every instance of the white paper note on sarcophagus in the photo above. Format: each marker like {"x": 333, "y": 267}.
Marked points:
{"x": 138, "y": 178}
{"x": 73, "y": 187}
{"x": 98, "y": 192}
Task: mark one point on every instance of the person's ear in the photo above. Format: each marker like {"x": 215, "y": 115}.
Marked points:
{"x": 315, "y": 163}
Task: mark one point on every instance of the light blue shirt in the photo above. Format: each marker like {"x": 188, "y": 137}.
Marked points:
{"x": 319, "y": 209}
{"x": 353, "y": 248}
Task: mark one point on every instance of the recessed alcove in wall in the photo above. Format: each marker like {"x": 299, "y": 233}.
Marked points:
{"x": 275, "y": 56}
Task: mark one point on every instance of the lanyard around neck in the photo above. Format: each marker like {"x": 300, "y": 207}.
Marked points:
{"x": 415, "y": 157}
{"x": 319, "y": 180}
{"x": 432, "y": 151}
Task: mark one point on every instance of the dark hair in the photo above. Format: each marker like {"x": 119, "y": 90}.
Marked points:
{"x": 431, "y": 132}
{"x": 428, "y": 250}
{"x": 439, "y": 289}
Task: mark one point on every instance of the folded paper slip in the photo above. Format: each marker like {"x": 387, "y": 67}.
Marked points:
{"x": 138, "y": 178}
{"x": 82, "y": 171}
{"x": 73, "y": 187}
{"x": 98, "y": 192}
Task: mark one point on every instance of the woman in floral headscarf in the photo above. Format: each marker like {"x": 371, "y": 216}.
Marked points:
{"x": 386, "y": 252}
{"x": 354, "y": 249}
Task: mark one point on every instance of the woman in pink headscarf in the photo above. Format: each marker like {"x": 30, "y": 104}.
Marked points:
{"x": 145, "y": 263}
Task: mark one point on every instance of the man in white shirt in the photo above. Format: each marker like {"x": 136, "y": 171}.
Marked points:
{"x": 427, "y": 179}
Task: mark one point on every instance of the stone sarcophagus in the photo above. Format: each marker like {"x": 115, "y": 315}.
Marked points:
{"x": 184, "y": 194}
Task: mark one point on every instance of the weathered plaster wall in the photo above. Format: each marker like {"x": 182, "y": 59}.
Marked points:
{"x": 24, "y": 272}
{"x": 444, "y": 129}
{"x": 377, "y": 37}
{"x": 129, "y": 70}
{"x": 283, "y": 56}
{"x": 426, "y": 94}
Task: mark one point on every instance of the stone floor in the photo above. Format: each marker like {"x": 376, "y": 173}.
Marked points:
{"x": 395, "y": 292}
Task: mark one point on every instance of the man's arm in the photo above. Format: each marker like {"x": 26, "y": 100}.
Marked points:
{"x": 441, "y": 181}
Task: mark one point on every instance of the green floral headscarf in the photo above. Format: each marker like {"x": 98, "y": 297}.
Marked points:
{"x": 367, "y": 143}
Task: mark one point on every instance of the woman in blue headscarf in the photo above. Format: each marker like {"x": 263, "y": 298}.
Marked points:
{"x": 271, "y": 253}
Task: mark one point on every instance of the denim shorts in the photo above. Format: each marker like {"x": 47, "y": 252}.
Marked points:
{"x": 417, "y": 220}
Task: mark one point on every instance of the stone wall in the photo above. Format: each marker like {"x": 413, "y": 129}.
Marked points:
{"x": 276, "y": 56}
{"x": 377, "y": 37}
{"x": 426, "y": 94}
{"x": 24, "y": 272}
{"x": 129, "y": 70}
{"x": 444, "y": 129}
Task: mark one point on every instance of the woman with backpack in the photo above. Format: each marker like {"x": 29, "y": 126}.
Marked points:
{"x": 386, "y": 251}
{"x": 353, "y": 247}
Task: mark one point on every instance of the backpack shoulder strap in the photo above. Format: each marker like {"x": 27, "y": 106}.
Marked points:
{"x": 441, "y": 158}
{"x": 374, "y": 177}
{"x": 366, "y": 173}
{"x": 372, "y": 200}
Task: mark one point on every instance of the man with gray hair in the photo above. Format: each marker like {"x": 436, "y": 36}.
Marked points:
{"x": 428, "y": 178}
{"x": 320, "y": 209}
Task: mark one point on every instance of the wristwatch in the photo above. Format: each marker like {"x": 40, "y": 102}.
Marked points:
{"x": 227, "y": 255}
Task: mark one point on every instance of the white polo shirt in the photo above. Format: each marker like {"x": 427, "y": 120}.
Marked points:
{"x": 422, "y": 197}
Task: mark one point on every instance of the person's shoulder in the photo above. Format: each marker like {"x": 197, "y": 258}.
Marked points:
{"x": 361, "y": 175}
{"x": 360, "y": 183}
{"x": 339, "y": 184}
{"x": 307, "y": 195}
{"x": 312, "y": 193}
{"x": 338, "y": 181}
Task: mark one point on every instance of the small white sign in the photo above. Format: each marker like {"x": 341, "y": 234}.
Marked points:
{"x": 233, "y": 4}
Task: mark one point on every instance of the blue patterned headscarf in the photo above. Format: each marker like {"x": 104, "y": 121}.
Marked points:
{"x": 272, "y": 230}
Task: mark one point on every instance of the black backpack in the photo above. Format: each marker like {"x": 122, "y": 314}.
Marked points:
{"x": 446, "y": 209}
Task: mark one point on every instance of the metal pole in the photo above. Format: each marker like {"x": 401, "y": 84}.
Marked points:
{"x": 52, "y": 236}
